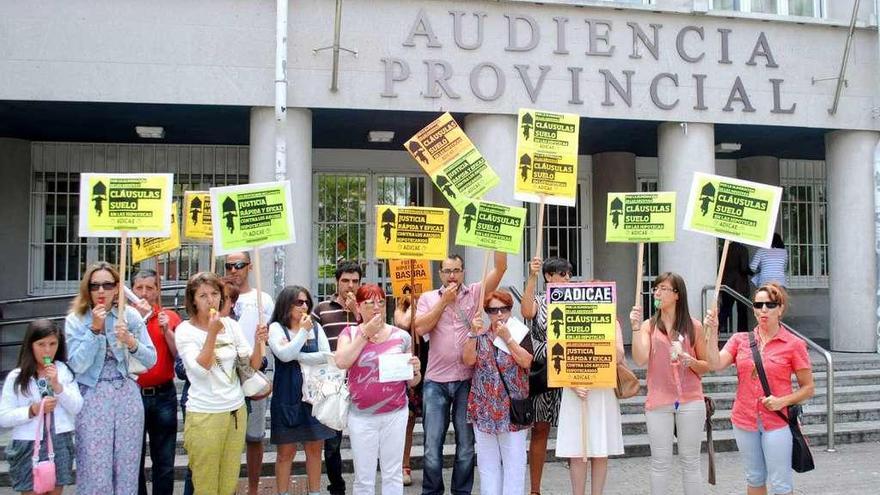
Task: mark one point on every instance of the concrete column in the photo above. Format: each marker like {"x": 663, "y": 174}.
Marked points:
{"x": 495, "y": 137}
{"x": 851, "y": 236}
{"x": 298, "y": 132}
{"x": 683, "y": 149}
{"x": 15, "y": 171}
{"x": 763, "y": 169}
{"x": 614, "y": 172}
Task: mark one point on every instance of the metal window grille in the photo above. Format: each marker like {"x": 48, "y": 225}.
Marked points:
{"x": 803, "y": 221}
{"x": 58, "y": 256}
{"x": 344, "y": 215}
{"x": 564, "y": 229}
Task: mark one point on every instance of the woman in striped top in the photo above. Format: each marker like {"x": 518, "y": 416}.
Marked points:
{"x": 769, "y": 264}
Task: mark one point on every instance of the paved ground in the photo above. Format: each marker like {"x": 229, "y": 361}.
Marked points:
{"x": 853, "y": 469}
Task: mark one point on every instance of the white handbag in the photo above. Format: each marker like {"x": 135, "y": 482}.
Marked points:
{"x": 326, "y": 389}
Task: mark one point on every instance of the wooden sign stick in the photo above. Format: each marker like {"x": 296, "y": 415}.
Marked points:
{"x": 718, "y": 278}
{"x": 639, "y": 270}
{"x": 585, "y": 429}
{"x": 123, "y": 260}
{"x": 261, "y": 319}
{"x": 540, "y": 234}
{"x": 483, "y": 283}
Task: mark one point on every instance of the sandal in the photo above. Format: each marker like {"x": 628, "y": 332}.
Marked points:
{"x": 407, "y": 476}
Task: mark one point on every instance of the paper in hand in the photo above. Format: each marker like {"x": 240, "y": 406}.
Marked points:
{"x": 517, "y": 329}
{"x": 395, "y": 367}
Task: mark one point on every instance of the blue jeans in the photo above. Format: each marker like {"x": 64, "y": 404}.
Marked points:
{"x": 440, "y": 401}
{"x": 160, "y": 423}
{"x": 767, "y": 456}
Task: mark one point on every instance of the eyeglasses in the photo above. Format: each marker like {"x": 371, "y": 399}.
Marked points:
{"x": 663, "y": 288}
{"x": 301, "y": 302}
{"x": 497, "y": 311}
{"x": 380, "y": 303}
{"x": 450, "y": 271}
{"x": 94, "y": 286}
{"x": 767, "y": 304}
{"x": 238, "y": 265}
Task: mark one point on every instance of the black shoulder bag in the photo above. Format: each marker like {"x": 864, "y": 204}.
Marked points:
{"x": 801, "y": 457}
{"x": 522, "y": 411}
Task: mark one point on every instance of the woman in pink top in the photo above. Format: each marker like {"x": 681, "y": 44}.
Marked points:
{"x": 671, "y": 344}
{"x": 762, "y": 435}
{"x": 378, "y": 414}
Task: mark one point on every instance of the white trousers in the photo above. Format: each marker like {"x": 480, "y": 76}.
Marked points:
{"x": 501, "y": 460}
{"x": 378, "y": 437}
{"x": 688, "y": 422}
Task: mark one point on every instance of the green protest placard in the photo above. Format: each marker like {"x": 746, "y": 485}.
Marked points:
{"x": 733, "y": 209}
{"x": 546, "y": 154}
{"x": 251, "y": 216}
{"x": 197, "y": 216}
{"x": 412, "y": 232}
{"x": 492, "y": 226}
{"x": 640, "y": 217}
{"x": 110, "y": 204}
{"x": 451, "y": 160}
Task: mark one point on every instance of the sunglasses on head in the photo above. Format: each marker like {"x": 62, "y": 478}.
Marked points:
{"x": 497, "y": 311}
{"x": 238, "y": 265}
{"x": 94, "y": 286}
{"x": 768, "y": 304}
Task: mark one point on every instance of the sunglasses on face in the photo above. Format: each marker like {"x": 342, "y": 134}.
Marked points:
{"x": 301, "y": 302}
{"x": 762, "y": 304}
{"x": 95, "y": 286}
{"x": 238, "y": 265}
{"x": 380, "y": 303}
{"x": 497, "y": 311}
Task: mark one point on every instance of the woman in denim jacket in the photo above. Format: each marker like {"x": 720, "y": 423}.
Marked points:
{"x": 110, "y": 427}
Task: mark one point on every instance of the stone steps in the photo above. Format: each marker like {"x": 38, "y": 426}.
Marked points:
{"x": 856, "y": 409}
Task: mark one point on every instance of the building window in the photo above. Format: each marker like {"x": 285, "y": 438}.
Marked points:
{"x": 344, "y": 221}
{"x": 801, "y": 8}
{"x": 651, "y": 259}
{"x": 804, "y": 222}
{"x": 59, "y": 256}
{"x": 564, "y": 235}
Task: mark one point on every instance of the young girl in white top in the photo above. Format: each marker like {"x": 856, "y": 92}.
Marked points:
{"x": 41, "y": 377}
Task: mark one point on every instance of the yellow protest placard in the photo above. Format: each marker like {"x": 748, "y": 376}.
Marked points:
{"x": 197, "y": 215}
{"x": 146, "y": 247}
{"x": 410, "y": 277}
{"x": 455, "y": 166}
{"x": 251, "y": 216}
{"x": 135, "y": 203}
{"x": 640, "y": 217}
{"x": 546, "y": 157}
{"x": 581, "y": 335}
{"x": 411, "y": 232}
{"x": 492, "y": 226}
{"x": 733, "y": 209}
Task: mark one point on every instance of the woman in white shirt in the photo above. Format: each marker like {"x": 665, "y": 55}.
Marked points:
{"x": 216, "y": 418}
{"x": 41, "y": 377}
{"x": 295, "y": 338}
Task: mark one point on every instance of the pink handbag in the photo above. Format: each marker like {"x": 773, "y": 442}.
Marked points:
{"x": 43, "y": 471}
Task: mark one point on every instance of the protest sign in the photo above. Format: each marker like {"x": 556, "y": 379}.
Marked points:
{"x": 411, "y": 232}
{"x": 640, "y": 217}
{"x": 251, "y": 216}
{"x": 455, "y": 166}
{"x": 546, "y": 157}
{"x": 733, "y": 209}
{"x": 581, "y": 334}
{"x": 492, "y": 226}
{"x": 110, "y": 204}
{"x": 147, "y": 247}
{"x": 197, "y": 215}
{"x": 410, "y": 277}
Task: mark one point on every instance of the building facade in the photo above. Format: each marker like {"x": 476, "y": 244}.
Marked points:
{"x": 744, "y": 88}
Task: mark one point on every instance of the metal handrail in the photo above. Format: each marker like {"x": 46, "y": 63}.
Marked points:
{"x": 829, "y": 363}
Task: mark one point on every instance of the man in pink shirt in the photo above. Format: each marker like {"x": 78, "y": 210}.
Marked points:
{"x": 444, "y": 317}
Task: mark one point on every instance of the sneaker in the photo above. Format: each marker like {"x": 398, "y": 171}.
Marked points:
{"x": 407, "y": 476}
